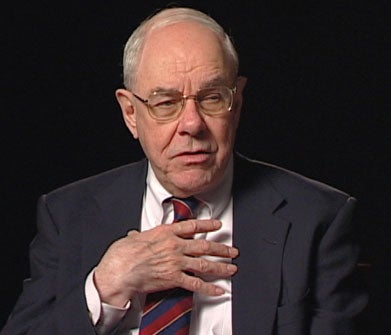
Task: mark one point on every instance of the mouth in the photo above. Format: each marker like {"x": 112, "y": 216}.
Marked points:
{"x": 194, "y": 157}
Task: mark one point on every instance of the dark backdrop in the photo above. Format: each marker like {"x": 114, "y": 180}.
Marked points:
{"x": 315, "y": 103}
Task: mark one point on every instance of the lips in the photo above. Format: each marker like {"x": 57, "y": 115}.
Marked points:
{"x": 194, "y": 152}
{"x": 199, "y": 152}
{"x": 194, "y": 157}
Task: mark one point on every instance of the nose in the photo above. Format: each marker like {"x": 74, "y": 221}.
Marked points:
{"x": 191, "y": 120}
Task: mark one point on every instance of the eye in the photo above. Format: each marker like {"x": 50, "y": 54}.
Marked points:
{"x": 164, "y": 101}
{"x": 211, "y": 98}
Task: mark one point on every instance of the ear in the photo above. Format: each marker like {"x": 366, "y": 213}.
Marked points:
{"x": 128, "y": 112}
{"x": 240, "y": 84}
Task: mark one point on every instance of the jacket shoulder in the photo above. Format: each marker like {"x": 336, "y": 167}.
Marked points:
{"x": 90, "y": 186}
{"x": 295, "y": 188}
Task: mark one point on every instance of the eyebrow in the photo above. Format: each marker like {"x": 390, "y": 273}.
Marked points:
{"x": 217, "y": 81}
{"x": 163, "y": 90}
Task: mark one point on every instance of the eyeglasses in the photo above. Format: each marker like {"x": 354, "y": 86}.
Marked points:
{"x": 167, "y": 105}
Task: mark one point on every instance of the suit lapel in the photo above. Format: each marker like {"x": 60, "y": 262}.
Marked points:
{"x": 260, "y": 236}
{"x": 115, "y": 210}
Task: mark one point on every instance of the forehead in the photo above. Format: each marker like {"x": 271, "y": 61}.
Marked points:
{"x": 182, "y": 52}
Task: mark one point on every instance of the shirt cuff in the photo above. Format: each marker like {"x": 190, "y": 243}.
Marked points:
{"x": 107, "y": 315}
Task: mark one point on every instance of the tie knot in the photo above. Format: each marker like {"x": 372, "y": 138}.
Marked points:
{"x": 184, "y": 208}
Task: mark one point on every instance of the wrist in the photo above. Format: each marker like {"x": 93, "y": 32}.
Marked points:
{"x": 109, "y": 293}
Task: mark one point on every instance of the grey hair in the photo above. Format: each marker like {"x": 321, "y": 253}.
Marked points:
{"x": 135, "y": 43}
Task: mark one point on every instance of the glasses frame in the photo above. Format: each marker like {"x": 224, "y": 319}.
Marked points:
{"x": 232, "y": 91}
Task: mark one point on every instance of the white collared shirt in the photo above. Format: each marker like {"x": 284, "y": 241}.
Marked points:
{"x": 210, "y": 315}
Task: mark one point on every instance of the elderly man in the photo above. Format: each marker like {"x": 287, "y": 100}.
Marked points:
{"x": 194, "y": 239}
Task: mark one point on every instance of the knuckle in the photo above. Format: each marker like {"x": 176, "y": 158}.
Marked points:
{"x": 164, "y": 229}
{"x": 171, "y": 244}
{"x": 132, "y": 233}
{"x": 203, "y": 265}
{"x": 177, "y": 229}
{"x": 172, "y": 276}
{"x": 227, "y": 251}
{"x": 180, "y": 279}
{"x": 196, "y": 284}
{"x": 194, "y": 225}
{"x": 205, "y": 245}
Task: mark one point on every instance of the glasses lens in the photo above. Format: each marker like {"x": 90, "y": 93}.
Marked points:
{"x": 215, "y": 100}
{"x": 211, "y": 101}
{"x": 164, "y": 105}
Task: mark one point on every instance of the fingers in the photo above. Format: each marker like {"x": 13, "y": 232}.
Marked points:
{"x": 196, "y": 284}
{"x": 166, "y": 255}
{"x": 188, "y": 228}
{"x": 184, "y": 229}
{"x": 159, "y": 242}
{"x": 203, "y": 247}
{"x": 203, "y": 266}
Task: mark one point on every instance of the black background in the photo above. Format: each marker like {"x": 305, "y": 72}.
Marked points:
{"x": 315, "y": 103}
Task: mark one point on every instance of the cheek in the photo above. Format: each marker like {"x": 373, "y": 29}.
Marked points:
{"x": 224, "y": 134}
{"x": 154, "y": 138}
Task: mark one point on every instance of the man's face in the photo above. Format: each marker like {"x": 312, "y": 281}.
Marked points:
{"x": 189, "y": 154}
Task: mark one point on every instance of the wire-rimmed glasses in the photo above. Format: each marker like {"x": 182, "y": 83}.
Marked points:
{"x": 167, "y": 105}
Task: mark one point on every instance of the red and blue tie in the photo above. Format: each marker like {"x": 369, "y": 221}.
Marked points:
{"x": 168, "y": 312}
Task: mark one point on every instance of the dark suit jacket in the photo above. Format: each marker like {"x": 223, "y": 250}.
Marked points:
{"x": 296, "y": 263}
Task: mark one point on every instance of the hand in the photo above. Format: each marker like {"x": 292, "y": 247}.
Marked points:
{"x": 160, "y": 259}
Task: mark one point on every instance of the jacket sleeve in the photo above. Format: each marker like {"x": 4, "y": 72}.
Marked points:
{"x": 44, "y": 308}
{"x": 337, "y": 293}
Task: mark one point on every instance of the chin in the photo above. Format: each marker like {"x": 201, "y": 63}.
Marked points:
{"x": 193, "y": 182}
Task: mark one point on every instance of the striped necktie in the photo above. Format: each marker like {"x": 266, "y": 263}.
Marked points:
{"x": 168, "y": 312}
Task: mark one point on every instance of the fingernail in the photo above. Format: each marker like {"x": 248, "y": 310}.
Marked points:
{"x": 217, "y": 223}
{"x": 232, "y": 268}
{"x": 219, "y": 291}
{"x": 233, "y": 252}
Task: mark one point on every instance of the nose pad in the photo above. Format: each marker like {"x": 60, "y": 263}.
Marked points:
{"x": 191, "y": 120}
{"x": 191, "y": 97}
{"x": 195, "y": 106}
